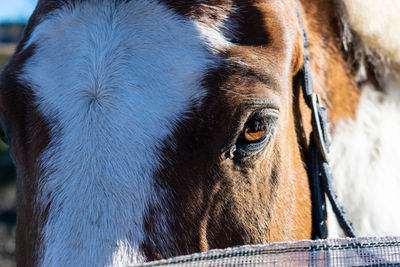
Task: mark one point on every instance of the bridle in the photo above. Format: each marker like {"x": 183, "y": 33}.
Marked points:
{"x": 319, "y": 172}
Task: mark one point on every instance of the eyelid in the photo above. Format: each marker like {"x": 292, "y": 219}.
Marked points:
{"x": 267, "y": 116}
{"x": 269, "y": 113}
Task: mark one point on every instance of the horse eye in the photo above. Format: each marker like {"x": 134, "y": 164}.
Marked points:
{"x": 255, "y": 130}
{"x": 254, "y": 136}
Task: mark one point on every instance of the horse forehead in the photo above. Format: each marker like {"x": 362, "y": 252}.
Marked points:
{"x": 121, "y": 75}
{"x": 137, "y": 45}
{"x": 206, "y": 23}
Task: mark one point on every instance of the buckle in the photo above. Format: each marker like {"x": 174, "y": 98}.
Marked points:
{"x": 320, "y": 126}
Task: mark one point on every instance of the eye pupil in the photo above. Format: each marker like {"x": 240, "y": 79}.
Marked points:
{"x": 253, "y": 136}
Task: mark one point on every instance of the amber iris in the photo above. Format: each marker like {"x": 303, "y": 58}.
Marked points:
{"x": 254, "y": 136}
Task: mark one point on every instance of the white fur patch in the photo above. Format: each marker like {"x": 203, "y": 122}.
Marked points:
{"x": 376, "y": 24}
{"x": 365, "y": 152}
{"x": 112, "y": 80}
{"x": 365, "y": 158}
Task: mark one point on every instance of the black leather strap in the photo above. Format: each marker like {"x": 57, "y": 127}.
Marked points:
{"x": 319, "y": 214}
{"x": 320, "y": 177}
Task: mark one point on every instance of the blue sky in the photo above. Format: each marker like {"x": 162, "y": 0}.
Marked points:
{"x": 16, "y": 10}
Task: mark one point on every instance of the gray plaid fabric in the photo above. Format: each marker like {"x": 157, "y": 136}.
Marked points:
{"x": 363, "y": 251}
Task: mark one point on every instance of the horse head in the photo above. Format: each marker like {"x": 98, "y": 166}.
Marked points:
{"x": 147, "y": 129}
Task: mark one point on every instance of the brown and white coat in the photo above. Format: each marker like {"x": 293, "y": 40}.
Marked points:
{"x": 126, "y": 117}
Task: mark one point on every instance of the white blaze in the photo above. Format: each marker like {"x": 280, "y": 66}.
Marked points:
{"x": 112, "y": 80}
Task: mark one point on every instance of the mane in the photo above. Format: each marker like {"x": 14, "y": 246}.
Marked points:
{"x": 371, "y": 33}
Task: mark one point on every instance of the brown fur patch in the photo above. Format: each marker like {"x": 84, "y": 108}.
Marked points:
{"x": 29, "y": 136}
{"x": 219, "y": 202}
{"x": 333, "y": 75}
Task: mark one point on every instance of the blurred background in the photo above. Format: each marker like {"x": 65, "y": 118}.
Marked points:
{"x": 13, "y": 17}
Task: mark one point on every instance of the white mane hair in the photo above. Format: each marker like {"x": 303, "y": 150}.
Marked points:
{"x": 365, "y": 151}
{"x": 372, "y": 29}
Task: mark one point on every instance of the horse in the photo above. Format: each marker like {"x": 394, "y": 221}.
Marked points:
{"x": 147, "y": 129}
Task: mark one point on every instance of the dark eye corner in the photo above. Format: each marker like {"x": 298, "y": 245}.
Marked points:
{"x": 255, "y": 134}
{"x": 3, "y": 136}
